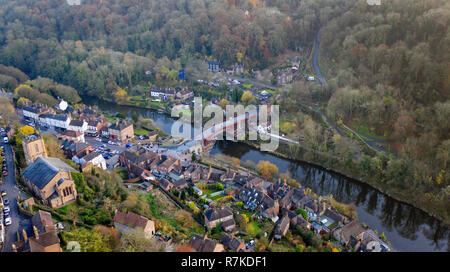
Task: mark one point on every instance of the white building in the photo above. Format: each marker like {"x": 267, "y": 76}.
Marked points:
{"x": 55, "y": 120}
{"x": 78, "y": 125}
{"x": 93, "y": 157}
{"x": 32, "y": 112}
{"x": 62, "y": 105}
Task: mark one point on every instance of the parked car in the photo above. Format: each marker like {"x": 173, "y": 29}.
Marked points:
{"x": 5, "y": 173}
{"x": 6, "y": 202}
{"x": 5, "y": 140}
{"x": 98, "y": 139}
{"x": 3, "y": 192}
{"x": 6, "y": 210}
{"x": 8, "y": 221}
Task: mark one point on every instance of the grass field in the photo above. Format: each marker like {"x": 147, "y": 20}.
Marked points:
{"x": 252, "y": 228}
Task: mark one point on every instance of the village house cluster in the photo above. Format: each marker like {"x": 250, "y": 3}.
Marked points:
{"x": 74, "y": 124}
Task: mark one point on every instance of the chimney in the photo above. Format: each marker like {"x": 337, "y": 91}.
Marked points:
{"x": 36, "y": 233}
{"x": 24, "y": 234}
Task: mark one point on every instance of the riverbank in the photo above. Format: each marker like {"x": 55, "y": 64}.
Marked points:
{"x": 405, "y": 199}
{"x": 385, "y": 191}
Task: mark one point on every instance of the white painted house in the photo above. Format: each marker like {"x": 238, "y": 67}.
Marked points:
{"x": 55, "y": 120}
{"x": 93, "y": 157}
{"x": 78, "y": 125}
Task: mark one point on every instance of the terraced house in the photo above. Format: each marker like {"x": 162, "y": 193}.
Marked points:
{"x": 50, "y": 180}
{"x": 121, "y": 131}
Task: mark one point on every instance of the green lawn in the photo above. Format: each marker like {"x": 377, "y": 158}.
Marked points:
{"x": 252, "y": 228}
{"x": 142, "y": 132}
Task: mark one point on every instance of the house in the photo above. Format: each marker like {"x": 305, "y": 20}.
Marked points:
{"x": 43, "y": 221}
{"x": 204, "y": 244}
{"x": 34, "y": 111}
{"x": 217, "y": 215}
{"x": 232, "y": 243}
{"x": 214, "y": 66}
{"x": 62, "y": 105}
{"x": 41, "y": 242}
{"x": 57, "y": 121}
{"x": 94, "y": 127}
{"x": 72, "y": 148}
{"x": 180, "y": 184}
{"x": 45, "y": 237}
{"x": 282, "y": 227}
{"x": 50, "y": 180}
{"x": 185, "y": 94}
{"x": 33, "y": 147}
{"x": 285, "y": 77}
{"x": 104, "y": 132}
{"x": 136, "y": 171}
{"x": 78, "y": 125}
{"x": 162, "y": 92}
{"x": 133, "y": 221}
{"x": 372, "y": 243}
{"x": 93, "y": 158}
{"x": 71, "y": 135}
{"x": 121, "y": 131}
{"x": 165, "y": 185}
{"x": 350, "y": 234}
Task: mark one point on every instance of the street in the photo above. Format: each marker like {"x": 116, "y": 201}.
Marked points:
{"x": 18, "y": 221}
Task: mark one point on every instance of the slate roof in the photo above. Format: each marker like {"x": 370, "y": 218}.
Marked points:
{"x": 199, "y": 244}
{"x": 45, "y": 240}
{"x": 91, "y": 156}
{"x": 44, "y": 169}
{"x": 43, "y": 221}
{"x": 215, "y": 214}
{"x": 76, "y": 123}
{"x": 131, "y": 220}
{"x": 119, "y": 125}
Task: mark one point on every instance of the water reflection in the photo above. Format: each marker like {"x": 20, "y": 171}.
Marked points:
{"x": 407, "y": 228}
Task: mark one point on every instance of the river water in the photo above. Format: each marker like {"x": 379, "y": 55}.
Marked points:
{"x": 405, "y": 227}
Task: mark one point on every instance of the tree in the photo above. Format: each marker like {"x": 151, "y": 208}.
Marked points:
{"x": 26, "y": 130}
{"x": 120, "y": 95}
{"x": 89, "y": 240}
{"x": 184, "y": 218}
{"x": 267, "y": 169}
{"x": 136, "y": 241}
{"x": 22, "y": 100}
{"x": 247, "y": 98}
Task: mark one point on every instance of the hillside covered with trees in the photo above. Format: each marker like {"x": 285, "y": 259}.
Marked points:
{"x": 387, "y": 67}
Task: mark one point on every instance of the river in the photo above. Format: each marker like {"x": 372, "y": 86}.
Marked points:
{"x": 406, "y": 228}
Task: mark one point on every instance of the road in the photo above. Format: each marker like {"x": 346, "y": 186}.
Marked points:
{"x": 18, "y": 220}
{"x": 256, "y": 83}
{"x": 315, "y": 60}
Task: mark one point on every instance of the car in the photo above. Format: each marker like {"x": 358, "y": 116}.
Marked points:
{"x": 3, "y": 192}
{"x": 98, "y": 139}
{"x": 5, "y": 140}
{"x": 105, "y": 141}
{"x": 166, "y": 238}
{"x": 5, "y": 173}
{"x": 2, "y": 130}
{"x": 6, "y": 202}
{"x": 3, "y": 153}
{"x": 8, "y": 221}
{"x": 6, "y": 210}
